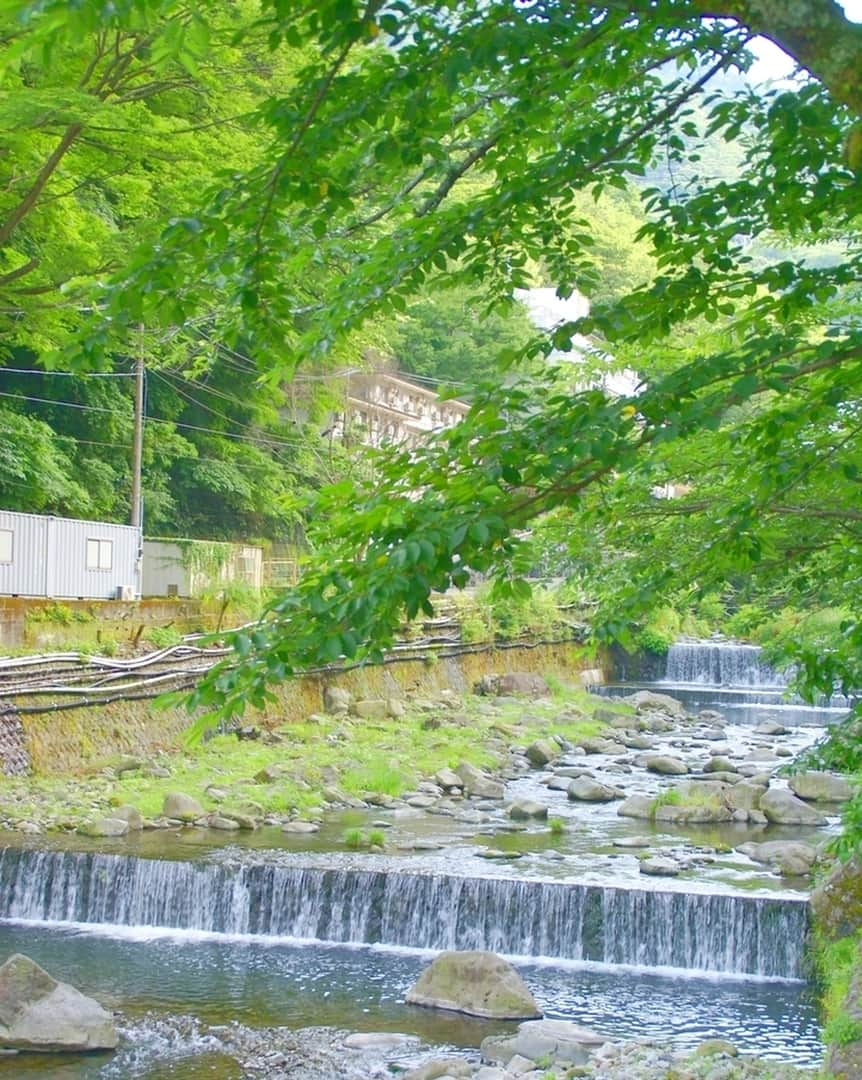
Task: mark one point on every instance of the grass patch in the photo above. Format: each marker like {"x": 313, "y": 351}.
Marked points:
{"x": 835, "y": 963}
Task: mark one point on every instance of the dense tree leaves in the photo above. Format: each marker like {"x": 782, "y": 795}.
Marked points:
{"x": 461, "y": 139}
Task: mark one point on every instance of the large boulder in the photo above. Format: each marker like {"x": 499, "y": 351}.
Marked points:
{"x": 744, "y": 796}
{"x": 478, "y": 784}
{"x": 648, "y": 701}
{"x": 786, "y": 856}
{"x": 39, "y": 1013}
{"x": 782, "y": 808}
{"x": 586, "y": 789}
{"x": 820, "y": 786}
{"x": 561, "y": 1041}
{"x": 477, "y": 983}
{"x": 107, "y": 826}
{"x": 525, "y": 809}
{"x": 636, "y": 806}
{"x": 183, "y": 807}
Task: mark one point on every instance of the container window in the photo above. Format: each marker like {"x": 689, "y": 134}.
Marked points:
{"x": 100, "y": 554}
{"x": 6, "y": 545}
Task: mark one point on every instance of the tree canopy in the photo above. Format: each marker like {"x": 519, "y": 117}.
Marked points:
{"x": 462, "y": 139}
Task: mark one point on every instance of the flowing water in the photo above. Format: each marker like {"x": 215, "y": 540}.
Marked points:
{"x": 205, "y": 944}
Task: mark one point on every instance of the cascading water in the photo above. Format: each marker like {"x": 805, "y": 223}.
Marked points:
{"x": 721, "y": 663}
{"x": 718, "y": 933}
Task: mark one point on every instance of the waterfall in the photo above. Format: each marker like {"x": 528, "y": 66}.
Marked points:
{"x": 724, "y": 663}
{"x": 711, "y": 932}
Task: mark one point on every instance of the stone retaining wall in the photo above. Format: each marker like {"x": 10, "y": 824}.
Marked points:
{"x": 82, "y": 740}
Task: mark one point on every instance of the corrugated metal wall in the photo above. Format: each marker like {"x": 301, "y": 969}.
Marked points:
{"x": 67, "y": 558}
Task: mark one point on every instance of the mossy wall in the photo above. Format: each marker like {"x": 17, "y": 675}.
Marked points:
{"x": 81, "y": 740}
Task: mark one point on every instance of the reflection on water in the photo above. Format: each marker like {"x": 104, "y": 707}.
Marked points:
{"x": 155, "y": 982}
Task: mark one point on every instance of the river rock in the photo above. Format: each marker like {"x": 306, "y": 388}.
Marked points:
{"x": 636, "y": 806}
{"x": 557, "y": 1040}
{"x": 180, "y": 806}
{"x": 715, "y": 1047}
{"x": 782, "y": 808}
{"x": 633, "y": 740}
{"x": 524, "y": 809}
{"x": 648, "y": 701}
{"x": 475, "y": 782}
{"x": 718, "y": 763}
{"x": 585, "y": 789}
{"x": 542, "y": 751}
{"x": 665, "y": 765}
{"x": 820, "y": 786}
{"x": 447, "y": 779}
{"x": 770, "y": 727}
{"x": 437, "y": 1068}
{"x": 658, "y": 866}
{"x": 106, "y": 826}
{"x": 594, "y": 744}
{"x": 788, "y": 857}
{"x": 39, "y": 1013}
{"x": 477, "y": 983}
{"x": 223, "y": 823}
{"x": 300, "y": 828}
{"x": 744, "y": 796}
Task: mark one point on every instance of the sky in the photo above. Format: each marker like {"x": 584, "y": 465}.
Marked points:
{"x": 772, "y": 63}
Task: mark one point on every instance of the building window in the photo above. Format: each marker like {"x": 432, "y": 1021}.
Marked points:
{"x": 6, "y": 545}
{"x": 100, "y": 554}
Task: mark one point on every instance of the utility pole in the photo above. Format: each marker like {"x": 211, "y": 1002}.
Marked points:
{"x": 138, "y": 438}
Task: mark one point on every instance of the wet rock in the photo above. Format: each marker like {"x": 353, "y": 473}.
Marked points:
{"x": 585, "y": 789}
{"x": 438, "y": 1068}
{"x": 300, "y": 827}
{"x": 761, "y": 753}
{"x": 636, "y": 806}
{"x": 782, "y": 808}
{"x": 658, "y": 866}
{"x": 421, "y": 802}
{"x": 107, "y": 826}
{"x": 593, "y": 744}
{"x": 793, "y": 859}
{"x": 717, "y": 763}
{"x": 665, "y": 765}
{"x": 379, "y": 1040}
{"x": 648, "y": 701}
{"x": 542, "y": 751}
{"x": 770, "y": 727}
{"x": 131, "y": 815}
{"x": 476, "y": 983}
{"x": 525, "y": 809}
{"x": 447, "y": 779}
{"x": 477, "y": 783}
{"x": 715, "y": 1048}
{"x": 820, "y": 786}
{"x": 634, "y": 741}
{"x": 556, "y": 1040}
{"x": 244, "y": 821}
{"x": 222, "y": 823}
{"x": 39, "y": 1013}
{"x": 757, "y": 817}
{"x": 496, "y": 855}
{"x": 744, "y": 796}
{"x": 632, "y": 842}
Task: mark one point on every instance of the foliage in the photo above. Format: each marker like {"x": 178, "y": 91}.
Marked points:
{"x": 163, "y": 637}
{"x": 413, "y": 146}
{"x": 834, "y": 965}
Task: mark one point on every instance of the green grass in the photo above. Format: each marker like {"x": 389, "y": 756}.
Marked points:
{"x": 387, "y": 757}
{"x": 835, "y": 963}
{"x": 556, "y": 826}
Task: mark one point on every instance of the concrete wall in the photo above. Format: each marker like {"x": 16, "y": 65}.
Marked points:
{"x": 189, "y": 567}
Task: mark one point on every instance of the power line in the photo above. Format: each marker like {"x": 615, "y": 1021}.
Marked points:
{"x": 70, "y": 374}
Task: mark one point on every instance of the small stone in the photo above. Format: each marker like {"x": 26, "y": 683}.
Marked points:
{"x": 716, "y": 1047}
{"x": 585, "y": 789}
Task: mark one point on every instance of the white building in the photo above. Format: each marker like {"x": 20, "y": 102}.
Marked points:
{"x": 383, "y": 409}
